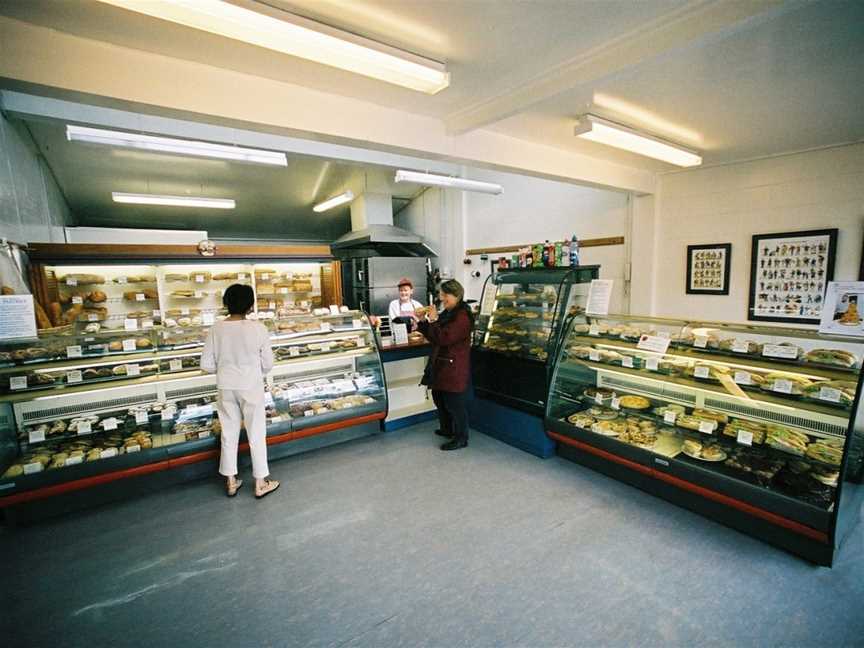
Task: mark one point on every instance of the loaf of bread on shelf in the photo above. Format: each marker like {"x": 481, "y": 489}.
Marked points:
{"x": 97, "y": 296}
{"x": 173, "y": 277}
{"x": 7, "y": 290}
{"x": 81, "y": 278}
{"x": 132, "y": 295}
{"x": 42, "y": 319}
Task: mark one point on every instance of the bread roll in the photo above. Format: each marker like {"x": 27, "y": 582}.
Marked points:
{"x": 97, "y": 296}
{"x": 42, "y": 319}
{"x": 7, "y": 290}
{"x": 55, "y": 313}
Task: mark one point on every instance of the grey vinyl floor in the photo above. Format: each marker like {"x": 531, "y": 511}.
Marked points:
{"x": 387, "y": 541}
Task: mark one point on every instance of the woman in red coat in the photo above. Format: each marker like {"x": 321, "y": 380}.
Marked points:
{"x": 449, "y": 364}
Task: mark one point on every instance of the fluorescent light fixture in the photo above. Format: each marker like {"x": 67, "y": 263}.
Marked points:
{"x": 448, "y": 181}
{"x": 175, "y": 201}
{"x": 176, "y": 146}
{"x": 335, "y": 201}
{"x": 268, "y": 27}
{"x": 600, "y": 130}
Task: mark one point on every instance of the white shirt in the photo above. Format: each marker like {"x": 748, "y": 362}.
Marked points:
{"x": 399, "y": 309}
{"x": 239, "y": 353}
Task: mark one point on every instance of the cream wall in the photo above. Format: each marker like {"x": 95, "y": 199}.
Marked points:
{"x": 728, "y": 204}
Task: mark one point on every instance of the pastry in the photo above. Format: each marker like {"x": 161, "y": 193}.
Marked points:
{"x": 55, "y": 314}
{"x": 81, "y": 278}
{"x": 692, "y": 448}
{"x": 183, "y": 293}
{"x": 199, "y": 276}
{"x": 713, "y": 453}
{"x": 148, "y": 293}
{"x": 710, "y": 415}
{"x": 832, "y": 357}
{"x": 97, "y": 296}
{"x": 635, "y": 402}
{"x": 174, "y": 277}
{"x": 581, "y": 420}
{"x": 15, "y": 470}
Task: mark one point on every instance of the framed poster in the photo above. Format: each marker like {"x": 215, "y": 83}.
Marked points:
{"x": 708, "y": 269}
{"x": 788, "y": 275}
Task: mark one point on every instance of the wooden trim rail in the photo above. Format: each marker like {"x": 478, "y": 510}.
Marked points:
{"x": 583, "y": 243}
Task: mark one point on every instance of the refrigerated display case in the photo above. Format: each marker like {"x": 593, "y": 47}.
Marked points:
{"x": 756, "y": 427}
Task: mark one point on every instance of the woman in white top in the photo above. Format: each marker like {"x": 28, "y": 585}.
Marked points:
{"x": 405, "y": 305}
{"x": 238, "y": 351}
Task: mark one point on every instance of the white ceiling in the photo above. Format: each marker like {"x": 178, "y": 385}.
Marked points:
{"x": 790, "y": 78}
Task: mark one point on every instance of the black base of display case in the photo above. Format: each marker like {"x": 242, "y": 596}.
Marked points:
{"x": 519, "y": 383}
{"x": 512, "y": 426}
{"x": 810, "y": 544}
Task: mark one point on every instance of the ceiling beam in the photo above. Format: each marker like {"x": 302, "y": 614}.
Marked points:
{"x": 692, "y": 23}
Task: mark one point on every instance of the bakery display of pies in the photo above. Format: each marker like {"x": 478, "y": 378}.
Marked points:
{"x": 635, "y": 402}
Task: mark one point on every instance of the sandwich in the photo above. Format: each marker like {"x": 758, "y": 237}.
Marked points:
{"x": 692, "y": 448}
{"x": 832, "y": 357}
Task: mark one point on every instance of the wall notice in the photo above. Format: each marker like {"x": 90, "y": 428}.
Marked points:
{"x": 599, "y": 295}
{"x": 17, "y": 317}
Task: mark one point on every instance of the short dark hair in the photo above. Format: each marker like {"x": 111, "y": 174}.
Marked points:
{"x": 452, "y": 287}
{"x": 238, "y": 299}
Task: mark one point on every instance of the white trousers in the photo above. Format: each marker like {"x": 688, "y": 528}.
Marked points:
{"x": 243, "y": 407}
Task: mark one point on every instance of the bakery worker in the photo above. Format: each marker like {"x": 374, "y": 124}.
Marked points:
{"x": 405, "y": 305}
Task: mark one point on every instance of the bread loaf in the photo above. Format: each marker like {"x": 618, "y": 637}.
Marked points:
{"x": 55, "y": 313}
{"x": 42, "y": 320}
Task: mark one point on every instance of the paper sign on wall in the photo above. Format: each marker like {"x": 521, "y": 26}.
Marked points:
{"x": 843, "y": 309}
{"x": 599, "y": 295}
{"x": 17, "y": 317}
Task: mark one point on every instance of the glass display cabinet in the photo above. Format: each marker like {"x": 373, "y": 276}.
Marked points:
{"x": 99, "y": 412}
{"x": 756, "y": 427}
{"x": 521, "y": 315}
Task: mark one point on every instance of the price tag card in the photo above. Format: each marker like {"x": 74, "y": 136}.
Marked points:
{"x": 740, "y": 346}
{"x": 654, "y": 343}
{"x": 133, "y": 448}
{"x": 92, "y": 317}
{"x": 199, "y": 294}
{"x": 147, "y": 324}
{"x": 175, "y": 365}
{"x": 73, "y": 351}
{"x": 194, "y": 411}
{"x": 107, "y": 454}
{"x": 594, "y": 355}
{"x": 18, "y": 382}
{"x": 199, "y": 278}
{"x": 85, "y": 427}
{"x": 271, "y": 305}
{"x": 167, "y": 414}
{"x": 184, "y": 311}
{"x": 652, "y": 364}
{"x": 120, "y": 280}
{"x": 707, "y": 427}
{"x": 830, "y": 394}
{"x": 780, "y": 351}
{"x": 294, "y": 352}
{"x": 74, "y": 376}
{"x": 140, "y": 297}
{"x": 71, "y": 281}
{"x": 133, "y": 370}
{"x": 670, "y": 417}
{"x": 109, "y": 424}
{"x": 357, "y": 323}
{"x": 204, "y": 435}
{"x": 36, "y": 436}
{"x": 241, "y": 276}
{"x": 275, "y": 419}
{"x": 265, "y": 277}
{"x": 31, "y": 468}
{"x": 130, "y": 325}
{"x": 282, "y": 290}
{"x": 745, "y": 437}
{"x": 616, "y": 403}
{"x": 129, "y": 345}
{"x": 208, "y": 319}
{"x": 308, "y": 413}
{"x": 594, "y": 329}
{"x": 702, "y": 372}
{"x": 742, "y": 378}
{"x": 627, "y": 361}
{"x": 598, "y": 399}
{"x": 334, "y": 309}
{"x": 76, "y": 299}
{"x": 72, "y": 461}
{"x": 782, "y": 386}
{"x": 142, "y": 418}
{"x": 268, "y": 398}
{"x": 701, "y": 341}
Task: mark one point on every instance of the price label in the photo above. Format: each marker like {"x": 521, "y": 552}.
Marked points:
{"x": 199, "y": 294}
{"x": 71, "y": 281}
{"x": 707, "y": 427}
{"x": 142, "y": 418}
{"x": 627, "y": 361}
{"x": 654, "y": 343}
{"x": 334, "y": 309}
{"x": 121, "y": 280}
{"x": 31, "y": 468}
{"x": 74, "y": 376}
{"x": 745, "y": 437}
{"x": 133, "y": 448}
{"x": 241, "y": 276}
{"x": 294, "y": 352}
{"x": 830, "y": 394}
{"x": 782, "y": 386}
{"x": 780, "y": 351}
{"x": 147, "y": 324}
{"x": 175, "y": 365}
{"x": 308, "y": 413}
{"x": 268, "y": 399}
{"x": 85, "y": 427}
{"x": 598, "y": 399}
{"x": 594, "y": 329}
{"x": 73, "y": 351}
{"x": 199, "y": 278}
{"x": 701, "y": 341}
{"x": 167, "y": 414}
{"x": 204, "y": 435}
{"x": 357, "y": 323}
{"x": 36, "y": 436}
{"x": 616, "y": 403}
{"x": 157, "y": 314}
{"x": 272, "y": 305}
{"x": 208, "y": 319}
{"x": 92, "y": 317}
{"x": 129, "y": 345}
{"x": 140, "y": 297}
{"x": 72, "y": 461}
{"x": 742, "y": 378}
{"x": 130, "y": 325}
{"x": 265, "y": 277}
{"x": 652, "y": 364}
{"x": 107, "y": 454}
{"x": 282, "y": 290}
{"x": 740, "y": 346}
{"x": 594, "y": 355}
{"x": 670, "y": 417}
{"x": 76, "y": 299}
{"x": 109, "y": 424}
{"x": 194, "y": 411}
{"x": 325, "y": 347}
{"x": 275, "y": 419}
{"x": 702, "y": 372}
{"x": 133, "y": 370}
{"x": 184, "y": 311}
{"x": 18, "y": 382}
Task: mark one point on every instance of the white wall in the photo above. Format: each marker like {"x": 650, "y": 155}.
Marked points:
{"x": 32, "y": 208}
{"x": 728, "y": 204}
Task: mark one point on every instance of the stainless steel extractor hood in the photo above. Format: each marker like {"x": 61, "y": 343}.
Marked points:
{"x": 373, "y": 233}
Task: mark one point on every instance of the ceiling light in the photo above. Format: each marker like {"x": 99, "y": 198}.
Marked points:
{"x": 448, "y": 181}
{"x": 176, "y": 201}
{"x": 596, "y": 129}
{"x": 176, "y": 146}
{"x": 268, "y": 27}
{"x": 335, "y": 201}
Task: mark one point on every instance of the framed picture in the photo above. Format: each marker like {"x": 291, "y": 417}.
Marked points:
{"x": 708, "y": 269}
{"x": 788, "y": 275}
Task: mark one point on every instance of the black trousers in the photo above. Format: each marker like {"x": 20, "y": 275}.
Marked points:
{"x": 452, "y": 412}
